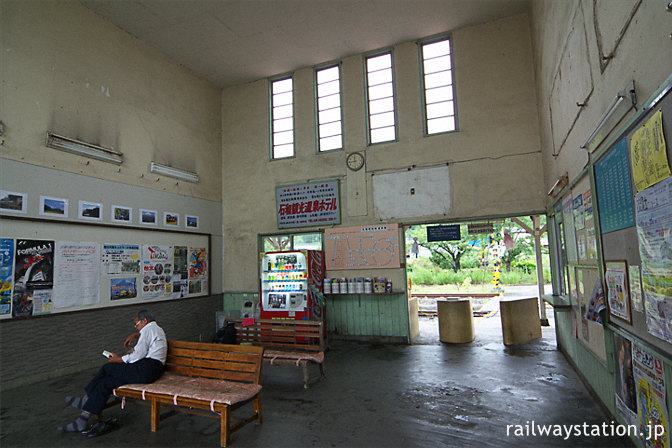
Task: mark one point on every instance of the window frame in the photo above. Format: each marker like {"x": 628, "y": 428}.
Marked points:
{"x": 291, "y": 237}
{"x": 316, "y": 69}
{"x": 423, "y": 98}
{"x": 271, "y": 81}
{"x": 365, "y": 58}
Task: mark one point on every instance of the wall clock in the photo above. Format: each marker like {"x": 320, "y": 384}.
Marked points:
{"x": 355, "y": 161}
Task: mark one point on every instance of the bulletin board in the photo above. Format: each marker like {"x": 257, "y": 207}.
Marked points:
{"x": 642, "y": 232}
{"x": 365, "y": 247}
{"x": 49, "y": 267}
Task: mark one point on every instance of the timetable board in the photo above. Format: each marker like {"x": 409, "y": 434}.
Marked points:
{"x": 614, "y": 189}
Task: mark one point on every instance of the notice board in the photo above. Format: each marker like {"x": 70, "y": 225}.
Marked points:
{"x": 614, "y": 190}
{"x": 365, "y": 247}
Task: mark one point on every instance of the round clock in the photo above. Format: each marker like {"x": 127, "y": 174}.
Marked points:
{"x": 355, "y": 161}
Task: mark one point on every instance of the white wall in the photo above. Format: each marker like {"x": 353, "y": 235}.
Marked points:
{"x": 67, "y": 70}
{"x": 494, "y": 159}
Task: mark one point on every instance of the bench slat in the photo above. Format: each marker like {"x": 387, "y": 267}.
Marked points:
{"x": 208, "y": 364}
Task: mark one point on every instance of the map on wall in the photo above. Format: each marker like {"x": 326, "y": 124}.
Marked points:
{"x": 369, "y": 247}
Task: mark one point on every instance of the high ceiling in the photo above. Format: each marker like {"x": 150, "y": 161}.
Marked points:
{"x": 230, "y": 42}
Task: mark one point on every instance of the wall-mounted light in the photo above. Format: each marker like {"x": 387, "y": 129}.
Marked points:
{"x": 624, "y": 100}
{"x": 177, "y": 173}
{"x": 559, "y": 185}
{"x": 83, "y": 149}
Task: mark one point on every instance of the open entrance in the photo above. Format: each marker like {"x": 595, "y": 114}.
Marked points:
{"x": 486, "y": 261}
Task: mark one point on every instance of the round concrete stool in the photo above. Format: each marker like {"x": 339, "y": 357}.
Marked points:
{"x": 456, "y": 321}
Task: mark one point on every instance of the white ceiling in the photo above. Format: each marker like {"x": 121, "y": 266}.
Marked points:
{"x": 230, "y": 42}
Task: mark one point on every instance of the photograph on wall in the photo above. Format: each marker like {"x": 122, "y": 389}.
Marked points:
{"x": 54, "y": 207}
{"x": 171, "y": 219}
{"x": 13, "y": 202}
{"x": 121, "y": 214}
{"x": 649, "y": 153}
{"x": 76, "y": 274}
{"x": 6, "y": 278}
{"x": 157, "y": 268}
{"x": 654, "y": 234}
{"x": 148, "y": 217}
{"x": 91, "y": 211}
{"x": 191, "y": 222}
{"x": 577, "y": 211}
{"x": 618, "y": 299}
{"x": 180, "y": 272}
{"x": 198, "y": 270}
{"x": 123, "y": 288}
{"x": 626, "y": 397}
{"x": 120, "y": 259}
{"x": 636, "y": 295}
{"x": 33, "y": 271}
{"x": 650, "y": 387}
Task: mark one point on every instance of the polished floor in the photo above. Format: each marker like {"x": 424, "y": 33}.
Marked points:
{"x": 429, "y": 394}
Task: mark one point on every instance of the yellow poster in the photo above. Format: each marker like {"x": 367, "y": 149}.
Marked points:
{"x": 649, "y": 153}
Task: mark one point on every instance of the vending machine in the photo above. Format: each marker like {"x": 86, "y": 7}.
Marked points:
{"x": 291, "y": 285}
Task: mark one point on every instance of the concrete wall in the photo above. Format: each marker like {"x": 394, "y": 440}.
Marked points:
{"x": 494, "y": 159}
{"x": 67, "y": 70}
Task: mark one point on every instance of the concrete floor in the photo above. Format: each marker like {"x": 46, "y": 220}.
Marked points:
{"x": 422, "y": 395}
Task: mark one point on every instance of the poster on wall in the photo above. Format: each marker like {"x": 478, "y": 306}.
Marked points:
{"x": 157, "y": 268}
{"x": 33, "y": 271}
{"x": 123, "y": 288}
{"x": 312, "y": 204}
{"x": 651, "y": 406}
{"x": 654, "y": 233}
{"x": 570, "y": 232}
{"x": 616, "y": 278}
{"x": 76, "y": 274}
{"x": 626, "y": 397}
{"x": 6, "y": 278}
{"x": 591, "y": 241}
{"x": 648, "y": 153}
{"x": 198, "y": 270}
{"x": 613, "y": 189}
{"x": 367, "y": 247}
{"x": 577, "y": 211}
{"x": 635, "y": 276}
{"x": 180, "y": 272}
{"x": 120, "y": 259}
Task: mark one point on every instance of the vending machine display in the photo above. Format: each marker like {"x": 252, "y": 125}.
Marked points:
{"x": 288, "y": 283}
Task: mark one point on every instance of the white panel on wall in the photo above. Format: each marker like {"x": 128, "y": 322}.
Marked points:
{"x": 416, "y": 193}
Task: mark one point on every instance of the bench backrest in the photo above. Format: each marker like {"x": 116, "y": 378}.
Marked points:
{"x": 220, "y": 361}
{"x": 282, "y": 334}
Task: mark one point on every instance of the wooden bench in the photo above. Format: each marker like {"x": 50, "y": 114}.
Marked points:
{"x": 211, "y": 380}
{"x": 288, "y": 342}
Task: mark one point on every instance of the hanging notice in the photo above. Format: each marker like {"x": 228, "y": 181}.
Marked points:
{"x": 6, "y": 279}
{"x": 651, "y": 406}
{"x": 121, "y": 259}
{"x": 649, "y": 153}
{"x": 617, "y": 292}
{"x": 654, "y": 232}
{"x": 313, "y": 204}
{"x": 635, "y": 276}
{"x": 614, "y": 190}
{"x": 198, "y": 270}
{"x": 577, "y": 207}
{"x": 626, "y": 397}
{"x": 370, "y": 247}
{"x": 77, "y": 274}
{"x": 180, "y": 272}
{"x": 591, "y": 241}
{"x": 157, "y": 263}
{"x": 570, "y": 233}
{"x": 34, "y": 270}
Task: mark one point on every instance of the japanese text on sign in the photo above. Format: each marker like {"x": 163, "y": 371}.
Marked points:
{"x": 313, "y": 204}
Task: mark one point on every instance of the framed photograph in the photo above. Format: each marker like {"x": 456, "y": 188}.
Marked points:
{"x": 618, "y": 297}
{"x": 171, "y": 219}
{"x": 11, "y": 201}
{"x": 148, "y": 217}
{"x": 122, "y": 214}
{"x": 54, "y": 207}
{"x": 191, "y": 222}
{"x": 92, "y": 211}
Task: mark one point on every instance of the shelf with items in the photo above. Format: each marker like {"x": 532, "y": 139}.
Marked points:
{"x": 366, "y": 293}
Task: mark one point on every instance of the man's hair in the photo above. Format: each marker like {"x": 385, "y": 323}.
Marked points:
{"x": 144, "y": 314}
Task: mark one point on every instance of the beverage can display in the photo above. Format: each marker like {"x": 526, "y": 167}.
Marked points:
{"x": 368, "y": 286}
{"x": 335, "y": 286}
{"x": 351, "y": 286}
{"x": 359, "y": 285}
{"x": 388, "y": 286}
{"x": 327, "y": 286}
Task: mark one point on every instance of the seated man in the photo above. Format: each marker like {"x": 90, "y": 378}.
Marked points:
{"x": 144, "y": 364}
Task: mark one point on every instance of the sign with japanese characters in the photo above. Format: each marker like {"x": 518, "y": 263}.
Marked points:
{"x": 303, "y": 205}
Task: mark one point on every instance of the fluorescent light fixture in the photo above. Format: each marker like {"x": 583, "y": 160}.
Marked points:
{"x": 83, "y": 149}
{"x": 169, "y": 171}
{"x": 624, "y": 100}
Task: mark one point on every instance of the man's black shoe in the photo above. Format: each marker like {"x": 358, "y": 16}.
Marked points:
{"x": 100, "y": 428}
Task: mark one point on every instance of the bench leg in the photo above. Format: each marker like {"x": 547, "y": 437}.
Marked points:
{"x": 257, "y": 408}
{"x": 156, "y": 415}
{"x": 224, "y": 426}
{"x": 322, "y": 372}
{"x": 306, "y": 374}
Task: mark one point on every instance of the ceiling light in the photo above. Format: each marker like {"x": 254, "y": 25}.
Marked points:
{"x": 177, "y": 173}
{"x": 83, "y": 149}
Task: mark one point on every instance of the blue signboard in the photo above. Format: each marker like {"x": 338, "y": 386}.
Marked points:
{"x": 450, "y": 232}
{"x": 614, "y": 189}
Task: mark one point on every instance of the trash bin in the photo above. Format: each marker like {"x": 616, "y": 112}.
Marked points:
{"x": 456, "y": 320}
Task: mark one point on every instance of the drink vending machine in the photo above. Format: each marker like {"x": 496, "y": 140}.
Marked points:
{"x": 291, "y": 285}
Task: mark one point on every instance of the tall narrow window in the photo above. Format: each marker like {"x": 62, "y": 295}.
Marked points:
{"x": 282, "y": 118}
{"x": 329, "y": 115}
{"x": 437, "y": 79}
{"x": 380, "y": 92}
